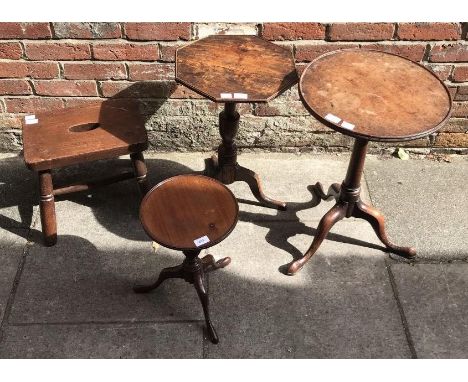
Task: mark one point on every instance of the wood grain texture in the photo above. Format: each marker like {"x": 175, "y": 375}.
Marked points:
{"x": 386, "y": 97}
{"x": 186, "y": 207}
{"x": 236, "y": 64}
{"x": 74, "y": 135}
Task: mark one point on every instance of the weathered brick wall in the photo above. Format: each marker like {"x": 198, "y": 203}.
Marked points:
{"x": 53, "y": 65}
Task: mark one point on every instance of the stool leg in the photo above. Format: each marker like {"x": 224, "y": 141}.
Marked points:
{"x": 47, "y": 208}
{"x": 203, "y": 295}
{"x": 140, "y": 169}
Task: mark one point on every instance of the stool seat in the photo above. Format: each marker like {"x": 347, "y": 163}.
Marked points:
{"x": 189, "y": 212}
{"x": 374, "y": 95}
{"x": 74, "y": 135}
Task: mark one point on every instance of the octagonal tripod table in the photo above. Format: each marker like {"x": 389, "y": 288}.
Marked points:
{"x": 370, "y": 96}
{"x": 231, "y": 70}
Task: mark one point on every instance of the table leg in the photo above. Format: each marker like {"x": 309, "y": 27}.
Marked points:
{"x": 226, "y": 168}
{"x": 47, "y": 208}
{"x": 192, "y": 270}
{"x": 348, "y": 205}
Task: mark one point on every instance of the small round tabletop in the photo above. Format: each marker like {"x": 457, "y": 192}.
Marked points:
{"x": 189, "y": 212}
{"x": 233, "y": 68}
{"x": 374, "y": 95}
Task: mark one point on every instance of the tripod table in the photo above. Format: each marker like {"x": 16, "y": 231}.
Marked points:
{"x": 235, "y": 69}
{"x": 370, "y": 96}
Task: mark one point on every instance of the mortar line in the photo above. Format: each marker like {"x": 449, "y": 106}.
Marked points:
{"x": 404, "y": 322}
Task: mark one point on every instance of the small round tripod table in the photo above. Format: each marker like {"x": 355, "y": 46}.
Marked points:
{"x": 189, "y": 213}
{"x": 370, "y": 96}
{"x": 235, "y": 69}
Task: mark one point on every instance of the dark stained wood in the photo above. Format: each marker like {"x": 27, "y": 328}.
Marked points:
{"x": 180, "y": 210}
{"x": 236, "y": 64}
{"x": 184, "y": 208}
{"x": 47, "y": 208}
{"x": 75, "y": 135}
{"x": 386, "y": 97}
{"x": 349, "y": 204}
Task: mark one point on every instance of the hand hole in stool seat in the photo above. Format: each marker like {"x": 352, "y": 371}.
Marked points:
{"x": 84, "y": 127}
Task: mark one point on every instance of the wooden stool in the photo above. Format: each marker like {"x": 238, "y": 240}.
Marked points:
{"x": 71, "y": 136}
{"x": 370, "y": 96}
{"x": 189, "y": 213}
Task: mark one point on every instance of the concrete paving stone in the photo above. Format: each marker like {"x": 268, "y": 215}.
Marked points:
{"x": 435, "y": 301}
{"x": 81, "y": 280}
{"x": 18, "y": 193}
{"x": 285, "y": 177}
{"x": 425, "y": 204}
{"x": 12, "y": 244}
{"x": 168, "y": 340}
{"x": 340, "y": 305}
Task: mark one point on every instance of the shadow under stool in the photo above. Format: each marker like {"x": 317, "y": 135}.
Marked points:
{"x": 71, "y": 136}
{"x": 189, "y": 213}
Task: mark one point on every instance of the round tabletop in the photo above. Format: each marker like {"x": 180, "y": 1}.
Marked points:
{"x": 374, "y": 95}
{"x": 233, "y": 68}
{"x": 189, "y": 212}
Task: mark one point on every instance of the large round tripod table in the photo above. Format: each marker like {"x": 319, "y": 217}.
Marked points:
{"x": 371, "y": 96}
{"x": 189, "y": 213}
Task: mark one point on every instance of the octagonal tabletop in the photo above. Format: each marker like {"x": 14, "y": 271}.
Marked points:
{"x": 230, "y": 68}
{"x": 374, "y": 95}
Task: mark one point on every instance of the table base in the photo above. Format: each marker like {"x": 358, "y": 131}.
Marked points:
{"x": 193, "y": 271}
{"x": 349, "y": 204}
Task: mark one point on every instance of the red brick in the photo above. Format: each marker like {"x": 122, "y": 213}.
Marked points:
{"x": 66, "y": 88}
{"x": 9, "y": 122}
{"x": 152, "y": 71}
{"x": 25, "y": 30}
{"x": 15, "y": 87}
{"x": 19, "y": 69}
{"x": 167, "y": 52}
{"x": 414, "y": 52}
{"x": 94, "y": 71}
{"x": 181, "y": 92}
{"x": 126, "y": 51}
{"x": 429, "y": 31}
{"x": 87, "y": 30}
{"x": 462, "y": 94}
{"x": 310, "y": 52}
{"x": 126, "y": 89}
{"x": 460, "y": 74}
{"x": 57, "y": 51}
{"x": 82, "y": 101}
{"x": 442, "y": 71}
{"x": 157, "y": 31}
{"x": 451, "y": 140}
{"x": 361, "y": 31}
{"x": 31, "y": 105}
{"x": 449, "y": 53}
{"x": 293, "y": 31}
{"x": 460, "y": 109}
{"x": 11, "y": 50}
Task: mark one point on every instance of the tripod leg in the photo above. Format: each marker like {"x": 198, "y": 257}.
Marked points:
{"x": 377, "y": 221}
{"x": 335, "y": 214}
{"x": 203, "y": 295}
{"x": 166, "y": 273}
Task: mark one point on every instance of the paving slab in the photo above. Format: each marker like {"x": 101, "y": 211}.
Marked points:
{"x": 168, "y": 340}
{"x": 12, "y": 244}
{"x": 340, "y": 305}
{"x": 424, "y": 202}
{"x": 435, "y": 301}
{"x": 18, "y": 193}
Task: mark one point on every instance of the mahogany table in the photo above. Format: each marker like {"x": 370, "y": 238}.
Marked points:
{"x": 235, "y": 69}
{"x": 189, "y": 213}
{"x": 370, "y": 96}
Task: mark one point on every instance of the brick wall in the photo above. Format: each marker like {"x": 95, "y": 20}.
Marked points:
{"x": 44, "y": 66}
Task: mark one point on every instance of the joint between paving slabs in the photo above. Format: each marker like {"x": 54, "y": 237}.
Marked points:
{"x": 404, "y": 322}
